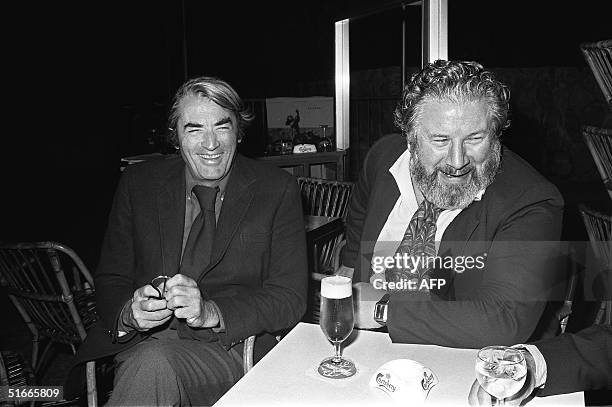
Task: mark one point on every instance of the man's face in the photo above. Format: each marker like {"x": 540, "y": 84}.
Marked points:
{"x": 454, "y": 155}
{"x": 208, "y": 135}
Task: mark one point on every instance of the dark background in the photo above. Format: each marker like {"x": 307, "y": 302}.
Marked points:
{"x": 88, "y": 81}
{"x": 92, "y": 79}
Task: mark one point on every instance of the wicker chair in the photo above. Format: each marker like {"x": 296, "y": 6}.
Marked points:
{"x": 321, "y": 197}
{"x": 565, "y": 311}
{"x": 325, "y": 197}
{"x": 599, "y": 142}
{"x": 599, "y": 229}
{"x": 14, "y": 370}
{"x": 53, "y": 292}
{"x": 599, "y": 57}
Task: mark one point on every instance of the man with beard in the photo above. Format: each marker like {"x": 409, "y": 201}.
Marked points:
{"x": 450, "y": 235}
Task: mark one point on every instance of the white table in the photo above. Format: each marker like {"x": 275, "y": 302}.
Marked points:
{"x": 287, "y": 375}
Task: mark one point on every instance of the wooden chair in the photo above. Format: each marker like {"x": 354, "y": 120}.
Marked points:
{"x": 324, "y": 197}
{"x": 247, "y": 354}
{"x": 565, "y": 311}
{"x": 599, "y": 229}
{"x": 599, "y": 57}
{"x": 321, "y": 197}
{"x": 14, "y": 370}
{"x": 54, "y": 293}
{"x": 323, "y": 252}
{"x": 599, "y": 142}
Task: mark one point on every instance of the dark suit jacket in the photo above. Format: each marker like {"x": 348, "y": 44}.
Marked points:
{"x": 577, "y": 362}
{"x": 514, "y": 227}
{"x": 258, "y": 271}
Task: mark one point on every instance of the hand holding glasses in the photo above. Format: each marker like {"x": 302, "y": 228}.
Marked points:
{"x": 159, "y": 284}
{"x": 148, "y": 307}
{"x": 182, "y": 298}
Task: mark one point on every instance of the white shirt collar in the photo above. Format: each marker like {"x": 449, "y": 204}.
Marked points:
{"x": 401, "y": 172}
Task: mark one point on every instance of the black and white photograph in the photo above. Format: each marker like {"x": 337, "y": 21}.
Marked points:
{"x": 316, "y": 203}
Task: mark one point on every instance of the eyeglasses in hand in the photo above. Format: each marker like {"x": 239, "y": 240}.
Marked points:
{"x": 159, "y": 283}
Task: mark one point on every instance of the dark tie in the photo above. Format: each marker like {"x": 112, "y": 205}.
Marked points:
{"x": 418, "y": 243}
{"x": 198, "y": 248}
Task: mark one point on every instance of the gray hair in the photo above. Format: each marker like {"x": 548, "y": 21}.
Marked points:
{"x": 455, "y": 81}
{"x": 216, "y": 90}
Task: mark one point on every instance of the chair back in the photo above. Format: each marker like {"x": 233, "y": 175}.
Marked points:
{"x": 564, "y": 312}
{"x": 599, "y": 57}
{"x": 599, "y": 142}
{"x": 599, "y": 229}
{"x": 15, "y": 370}
{"x": 51, "y": 288}
{"x": 324, "y": 197}
{"x": 324, "y": 250}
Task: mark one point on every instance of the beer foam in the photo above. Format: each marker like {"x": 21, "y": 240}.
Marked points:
{"x": 336, "y": 287}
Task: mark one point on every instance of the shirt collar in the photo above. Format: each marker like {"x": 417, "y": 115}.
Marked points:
{"x": 399, "y": 170}
{"x": 191, "y": 182}
{"x": 401, "y": 167}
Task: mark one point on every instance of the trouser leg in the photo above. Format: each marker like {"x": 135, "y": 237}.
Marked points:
{"x": 171, "y": 371}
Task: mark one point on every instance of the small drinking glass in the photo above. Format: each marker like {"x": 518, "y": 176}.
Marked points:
{"x": 501, "y": 371}
{"x": 157, "y": 282}
{"x": 336, "y": 321}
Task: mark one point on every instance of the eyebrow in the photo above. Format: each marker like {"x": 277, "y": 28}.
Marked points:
{"x": 484, "y": 131}
{"x": 225, "y": 120}
{"x": 221, "y": 122}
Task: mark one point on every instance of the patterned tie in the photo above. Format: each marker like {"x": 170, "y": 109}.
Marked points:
{"x": 198, "y": 248}
{"x": 417, "y": 246}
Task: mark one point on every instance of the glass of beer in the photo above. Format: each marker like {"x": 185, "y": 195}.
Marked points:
{"x": 337, "y": 322}
{"x": 501, "y": 371}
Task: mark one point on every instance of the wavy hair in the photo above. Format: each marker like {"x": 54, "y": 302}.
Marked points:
{"x": 216, "y": 90}
{"x": 454, "y": 81}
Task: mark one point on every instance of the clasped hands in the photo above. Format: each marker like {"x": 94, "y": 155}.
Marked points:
{"x": 181, "y": 298}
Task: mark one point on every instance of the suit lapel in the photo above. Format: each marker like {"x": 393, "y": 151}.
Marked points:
{"x": 171, "y": 210}
{"x": 458, "y": 234}
{"x": 238, "y": 197}
{"x": 384, "y": 202}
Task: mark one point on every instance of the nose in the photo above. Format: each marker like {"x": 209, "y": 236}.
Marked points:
{"x": 209, "y": 140}
{"x": 457, "y": 157}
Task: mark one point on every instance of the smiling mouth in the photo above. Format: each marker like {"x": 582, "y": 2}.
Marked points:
{"x": 453, "y": 173}
{"x": 210, "y": 156}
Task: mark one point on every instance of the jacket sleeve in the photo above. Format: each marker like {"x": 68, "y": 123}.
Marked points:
{"x": 280, "y": 302}
{"x": 578, "y": 362}
{"x": 508, "y": 295}
{"x": 114, "y": 279}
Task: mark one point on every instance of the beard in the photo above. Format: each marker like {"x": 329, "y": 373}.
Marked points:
{"x": 454, "y": 196}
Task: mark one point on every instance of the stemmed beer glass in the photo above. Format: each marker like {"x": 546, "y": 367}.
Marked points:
{"x": 336, "y": 321}
{"x": 501, "y": 371}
